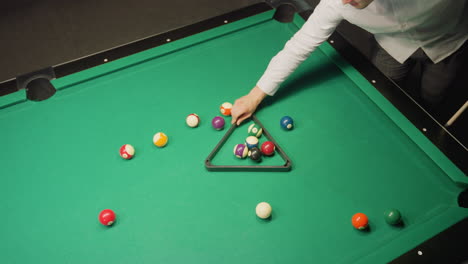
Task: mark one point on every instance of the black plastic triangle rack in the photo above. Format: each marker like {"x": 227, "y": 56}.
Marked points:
{"x": 282, "y": 168}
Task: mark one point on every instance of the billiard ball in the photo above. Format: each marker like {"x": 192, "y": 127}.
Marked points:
{"x": 127, "y": 151}
{"x": 192, "y": 120}
{"x": 240, "y": 150}
{"x": 160, "y": 139}
{"x": 287, "y": 123}
{"x": 360, "y": 221}
{"x": 392, "y": 216}
{"x": 218, "y": 122}
{"x": 268, "y": 148}
{"x": 107, "y": 217}
{"x": 255, "y": 130}
{"x": 225, "y": 109}
{"x": 263, "y": 210}
{"x": 251, "y": 141}
{"x": 255, "y": 154}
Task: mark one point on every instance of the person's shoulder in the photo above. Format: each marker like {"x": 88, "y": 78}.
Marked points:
{"x": 334, "y": 4}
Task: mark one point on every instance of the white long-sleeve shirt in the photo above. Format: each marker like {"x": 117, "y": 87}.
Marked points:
{"x": 439, "y": 27}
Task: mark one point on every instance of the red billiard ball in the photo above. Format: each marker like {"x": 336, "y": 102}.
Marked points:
{"x": 360, "y": 221}
{"x": 107, "y": 217}
{"x": 127, "y": 151}
{"x": 268, "y": 148}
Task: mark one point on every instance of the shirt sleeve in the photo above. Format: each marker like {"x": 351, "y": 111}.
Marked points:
{"x": 314, "y": 32}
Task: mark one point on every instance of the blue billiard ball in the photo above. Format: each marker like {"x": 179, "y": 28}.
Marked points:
{"x": 251, "y": 142}
{"x": 287, "y": 123}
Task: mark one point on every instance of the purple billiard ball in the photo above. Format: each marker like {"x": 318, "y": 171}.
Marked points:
{"x": 241, "y": 150}
{"x": 218, "y": 122}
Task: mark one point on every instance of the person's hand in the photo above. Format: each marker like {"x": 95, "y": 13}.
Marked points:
{"x": 245, "y": 106}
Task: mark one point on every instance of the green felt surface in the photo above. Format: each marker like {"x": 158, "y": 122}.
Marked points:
{"x": 351, "y": 152}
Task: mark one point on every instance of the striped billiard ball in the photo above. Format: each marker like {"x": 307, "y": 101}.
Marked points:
{"x": 225, "y": 109}
{"x": 240, "y": 150}
{"x": 192, "y": 120}
{"x": 127, "y": 151}
{"x": 251, "y": 141}
{"x": 255, "y": 130}
{"x": 160, "y": 139}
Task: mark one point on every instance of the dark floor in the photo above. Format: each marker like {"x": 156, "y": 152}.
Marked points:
{"x": 37, "y": 34}
{"x": 458, "y": 95}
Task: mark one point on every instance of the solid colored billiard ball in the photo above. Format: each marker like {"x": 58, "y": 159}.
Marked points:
{"x": 251, "y": 142}
{"x": 127, "y": 151}
{"x": 160, "y": 139}
{"x": 392, "y": 216}
{"x": 192, "y": 120}
{"x": 255, "y": 130}
{"x": 360, "y": 221}
{"x": 255, "y": 154}
{"x": 107, "y": 217}
{"x": 268, "y": 148}
{"x": 218, "y": 122}
{"x": 287, "y": 123}
{"x": 225, "y": 109}
{"x": 240, "y": 150}
{"x": 263, "y": 210}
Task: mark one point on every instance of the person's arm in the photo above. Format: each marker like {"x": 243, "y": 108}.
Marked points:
{"x": 314, "y": 32}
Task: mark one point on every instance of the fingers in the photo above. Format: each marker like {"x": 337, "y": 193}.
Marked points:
{"x": 243, "y": 117}
{"x": 242, "y": 109}
{"x": 238, "y": 109}
{"x": 234, "y": 117}
{"x": 239, "y": 114}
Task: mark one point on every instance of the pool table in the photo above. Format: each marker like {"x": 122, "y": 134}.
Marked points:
{"x": 351, "y": 151}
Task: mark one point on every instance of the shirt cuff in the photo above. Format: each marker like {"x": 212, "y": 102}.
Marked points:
{"x": 267, "y": 86}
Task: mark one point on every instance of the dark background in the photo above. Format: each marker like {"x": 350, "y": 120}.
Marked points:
{"x": 37, "y": 34}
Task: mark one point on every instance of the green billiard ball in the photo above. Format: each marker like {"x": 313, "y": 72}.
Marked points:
{"x": 255, "y": 130}
{"x": 392, "y": 216}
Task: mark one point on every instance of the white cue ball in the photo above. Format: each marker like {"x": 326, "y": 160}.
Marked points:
{"x": 263, "y": 210}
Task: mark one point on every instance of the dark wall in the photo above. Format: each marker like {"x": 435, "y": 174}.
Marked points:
{"x": 37, "y": 34}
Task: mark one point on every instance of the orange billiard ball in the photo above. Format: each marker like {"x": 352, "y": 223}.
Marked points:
{"x": 360, "y": 221}
{"x": 225, "y": 109}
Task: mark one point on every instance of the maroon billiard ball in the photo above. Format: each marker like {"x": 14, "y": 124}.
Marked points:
{"x": 127, "y": 151}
